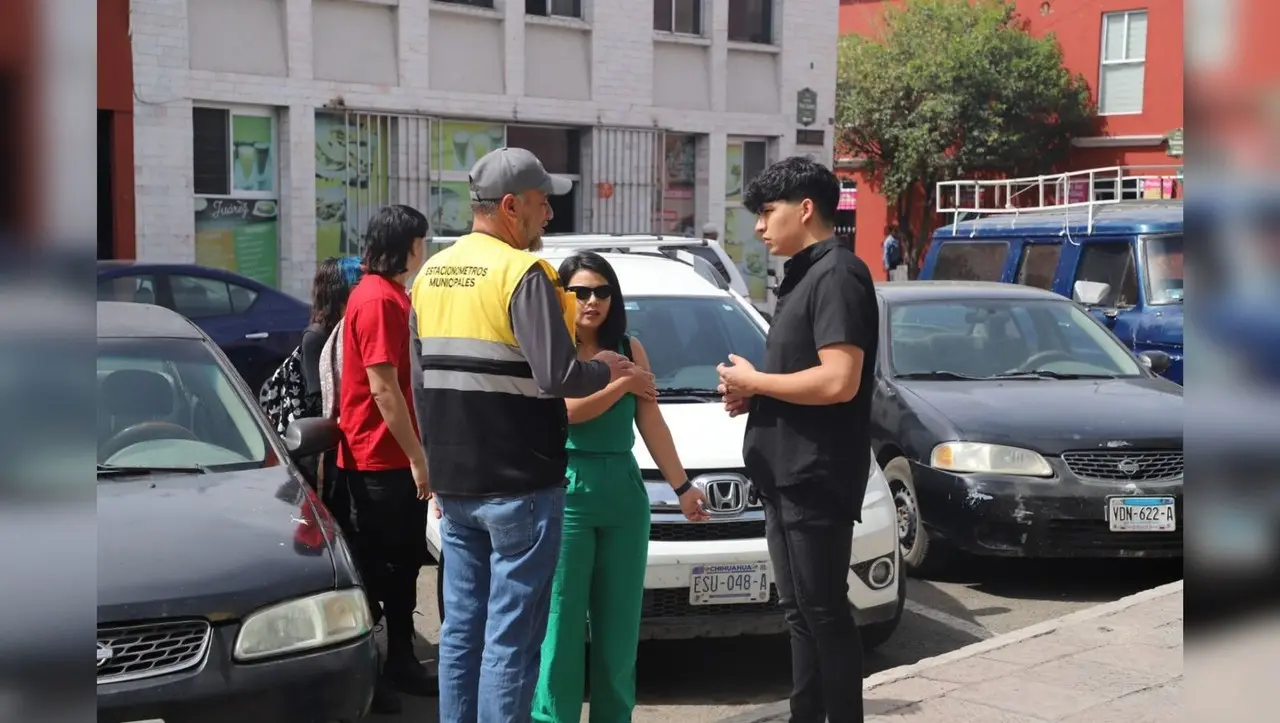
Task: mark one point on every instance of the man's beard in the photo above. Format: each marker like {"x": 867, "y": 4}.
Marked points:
{"x": 533, "y": 235}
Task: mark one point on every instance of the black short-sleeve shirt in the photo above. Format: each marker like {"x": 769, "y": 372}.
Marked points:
{"x": 826, "y": 298}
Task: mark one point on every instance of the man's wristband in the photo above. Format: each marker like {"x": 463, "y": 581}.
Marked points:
{"x": 684, "y": 488}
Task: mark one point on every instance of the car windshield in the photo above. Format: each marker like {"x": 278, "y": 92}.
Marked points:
{"x": 980, "y": 338}
{"x": 686, "y": 337}
{"x": 1163, "y": 260}
{"x": 169, "y": 404}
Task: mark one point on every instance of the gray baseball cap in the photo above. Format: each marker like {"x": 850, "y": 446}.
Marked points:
{"x": 514, "y": 171}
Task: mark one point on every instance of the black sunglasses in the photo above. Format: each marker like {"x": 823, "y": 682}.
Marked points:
{"x": 586, "y": 292}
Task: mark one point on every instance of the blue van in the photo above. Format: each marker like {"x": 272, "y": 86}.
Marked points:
{"x": 1126, "y": 269}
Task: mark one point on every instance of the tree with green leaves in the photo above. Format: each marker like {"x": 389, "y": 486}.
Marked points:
{"x": 954, "y": 89}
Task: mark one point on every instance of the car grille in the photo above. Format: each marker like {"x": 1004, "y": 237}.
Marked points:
{"x": 1125, "y": 466}
{"x": 706, "y": 531}
{"x": 143, "y": 651}
{"x": 674, "y": 603}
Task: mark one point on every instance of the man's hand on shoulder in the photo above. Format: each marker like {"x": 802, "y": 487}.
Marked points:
{"x": 619, "y": 366}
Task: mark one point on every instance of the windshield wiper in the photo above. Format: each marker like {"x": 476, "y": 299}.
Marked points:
{"x": 942, "y": 374}
{"x": 696, "y": 392}
{"x": 125, "y": 470}
{"x": 1045, "y": 374}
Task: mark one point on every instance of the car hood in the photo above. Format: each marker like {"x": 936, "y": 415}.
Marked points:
{"x": 706, "y": 437}
{"x": 216, "y": 546}
{"x": 1051, "y": 416}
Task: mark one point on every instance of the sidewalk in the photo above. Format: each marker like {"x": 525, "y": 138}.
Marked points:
{"x": 1115, "y": 663}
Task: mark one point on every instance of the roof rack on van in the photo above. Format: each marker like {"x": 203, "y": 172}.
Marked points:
{"x": 1086, "y": 190}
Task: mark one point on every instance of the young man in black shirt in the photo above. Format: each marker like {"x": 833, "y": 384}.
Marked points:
{"x": 807, "y": 447}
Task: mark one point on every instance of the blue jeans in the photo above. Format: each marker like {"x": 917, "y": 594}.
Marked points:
{"x": 499, "y": 562}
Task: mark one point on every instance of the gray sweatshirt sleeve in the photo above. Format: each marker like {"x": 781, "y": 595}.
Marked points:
{"x": 539, "y": 328}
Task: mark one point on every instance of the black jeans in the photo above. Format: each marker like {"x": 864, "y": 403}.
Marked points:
{"x": 810, "y": 543}
{"x": 386, "y": 526}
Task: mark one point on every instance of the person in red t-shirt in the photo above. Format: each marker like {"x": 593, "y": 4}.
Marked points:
{"x": 382, "y": 466}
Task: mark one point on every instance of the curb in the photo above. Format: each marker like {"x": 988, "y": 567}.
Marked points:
{"x": 768, "y": 711}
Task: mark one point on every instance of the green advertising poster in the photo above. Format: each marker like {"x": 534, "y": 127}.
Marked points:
{"x": 239, "y": 235}
{"x": 352, "y": 180}
{"x": 459, "y": 144}
{"x": 747, "y": 250}
{"x": 253, "y": 153}
{"x": 733, "y": 173}
{"x": 451, "y": 208}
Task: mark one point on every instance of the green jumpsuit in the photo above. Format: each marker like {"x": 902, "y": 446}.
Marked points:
{"x": 600, "y": 575}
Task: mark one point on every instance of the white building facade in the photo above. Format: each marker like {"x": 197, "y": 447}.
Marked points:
{"x": 267, "y": 132}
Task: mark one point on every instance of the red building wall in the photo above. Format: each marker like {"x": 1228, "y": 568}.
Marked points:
{"x": 1077, "y": 24}
{"x": 115, "y": 95}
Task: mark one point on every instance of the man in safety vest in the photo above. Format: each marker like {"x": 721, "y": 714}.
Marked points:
{"x": 497, "y": 358}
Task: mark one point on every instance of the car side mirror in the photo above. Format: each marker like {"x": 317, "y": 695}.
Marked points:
{"x": 1157, "y": 361}
{"x": 1090, "y": 293}
{"x": 311, "y": 436}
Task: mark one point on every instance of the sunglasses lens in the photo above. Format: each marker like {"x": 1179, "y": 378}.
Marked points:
{"x": 603, "y": 292}
{"x": 583, "y": 293}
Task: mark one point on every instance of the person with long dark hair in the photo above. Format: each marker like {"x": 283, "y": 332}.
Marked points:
{"x": 334, "y": 279}
{"x": 604, "y": 549}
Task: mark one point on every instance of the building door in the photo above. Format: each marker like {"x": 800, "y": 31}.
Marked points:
{"x": 625, "y": 172}
{"x": 106, "y": 209}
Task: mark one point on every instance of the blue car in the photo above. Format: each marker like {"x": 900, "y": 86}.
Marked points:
{"x": 1126, "y": 269}
{"x": 256, "y": 326}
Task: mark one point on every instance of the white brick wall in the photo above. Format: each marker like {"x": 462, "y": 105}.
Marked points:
{"x": 621, "y": 83}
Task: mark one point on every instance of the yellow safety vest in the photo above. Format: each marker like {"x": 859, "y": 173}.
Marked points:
{"x": 487, "y": 428}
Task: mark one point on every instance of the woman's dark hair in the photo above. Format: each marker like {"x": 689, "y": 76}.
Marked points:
{"x": 614, "y": 326}
{"x": 330, "y": 290}
{"x": 389, "y": 239}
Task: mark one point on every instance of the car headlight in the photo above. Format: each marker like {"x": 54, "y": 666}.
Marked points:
{"x": 990, "y": 458}
{"x": 310, "y": 622}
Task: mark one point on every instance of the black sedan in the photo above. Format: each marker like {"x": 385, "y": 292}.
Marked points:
{"x": 225, "y": 590}
{"x": 1010, "y": 423}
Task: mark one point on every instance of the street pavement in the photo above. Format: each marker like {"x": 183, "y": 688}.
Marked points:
{"x": 1115, "y": 663}
{"x": 705, "y": 681}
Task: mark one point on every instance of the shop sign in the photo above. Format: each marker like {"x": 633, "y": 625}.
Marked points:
{"x": 1175, "y": 142}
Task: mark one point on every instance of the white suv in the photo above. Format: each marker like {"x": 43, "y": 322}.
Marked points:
{"x": 695, "y": 584}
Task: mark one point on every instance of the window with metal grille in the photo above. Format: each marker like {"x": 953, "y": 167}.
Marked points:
{"x": 1124, "y": 62}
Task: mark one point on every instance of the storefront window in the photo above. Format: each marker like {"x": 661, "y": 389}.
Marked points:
{"x": 456, "y": 146}
{"x": 235, "y": 181}
{"x": 678, "y": 210}
{"x": 744, "y": 160}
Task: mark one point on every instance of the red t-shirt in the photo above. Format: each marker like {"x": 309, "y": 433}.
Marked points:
{"x": 375, "y": 331}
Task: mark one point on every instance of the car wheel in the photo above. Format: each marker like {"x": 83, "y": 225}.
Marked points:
{"x": 920, "y": 555}
{"x": 877, "y": 634}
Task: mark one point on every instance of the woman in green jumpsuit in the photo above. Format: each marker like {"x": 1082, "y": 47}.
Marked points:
{"x": 599, "y": 580}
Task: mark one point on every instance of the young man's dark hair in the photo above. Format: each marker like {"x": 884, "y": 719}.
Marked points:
{"x": 794, "y": 180}
{"x": 389, "y": 239}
